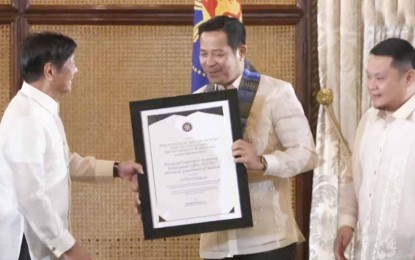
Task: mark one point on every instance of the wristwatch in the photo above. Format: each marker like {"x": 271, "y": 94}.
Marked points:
{"x": 115, "y": 169}
{"x": 264, "y": 162}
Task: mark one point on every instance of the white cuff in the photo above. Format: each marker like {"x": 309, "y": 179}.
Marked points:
{"x": 60, "y": 245}
{"x": 347, "y": 220}
{"x": 273, "y": 164}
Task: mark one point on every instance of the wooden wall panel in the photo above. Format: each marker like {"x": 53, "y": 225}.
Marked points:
{"x": 5, "y": 66}
{"x": 272, "y": 50}
{"x": 150, "y": 2}
{"x": 118, "y": 64}
{"x": 269, "y": 2}
{"x": 110, "y": 2}
{"x": 114, "y": 37}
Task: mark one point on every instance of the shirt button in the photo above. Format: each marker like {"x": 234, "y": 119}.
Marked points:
{"x": 53, "y": 248}
{"x": 370, "y": 195}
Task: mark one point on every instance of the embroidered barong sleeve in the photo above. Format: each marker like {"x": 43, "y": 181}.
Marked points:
{"x": 297, "y": 154}
{"x": 89, "y": 169}
{"x": 25, "y": 152}
{"x": 347, "y": 201}
{"x": 348, "y": 206}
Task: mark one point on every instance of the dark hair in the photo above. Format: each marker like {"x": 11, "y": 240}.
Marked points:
{"x": 40, "y": 48}
{"x": 234, "y": 29}
{"x": 401, "y": 52}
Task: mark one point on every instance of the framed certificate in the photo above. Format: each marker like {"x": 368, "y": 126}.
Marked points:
{"x": 191, "y": 182}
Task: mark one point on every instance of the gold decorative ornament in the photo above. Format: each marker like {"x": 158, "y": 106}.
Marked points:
{"x": 325, "y": 97}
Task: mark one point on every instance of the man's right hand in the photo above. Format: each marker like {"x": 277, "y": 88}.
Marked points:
{"x": 137, "y": 202}
{"x": 76, "y": 253}
{"x": 344, "y": 236}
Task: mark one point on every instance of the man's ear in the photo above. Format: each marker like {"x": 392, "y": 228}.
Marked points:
{"x": 410, "y": 77}
{"x": 48, "y": 71}
{"x": 242, "y": 52}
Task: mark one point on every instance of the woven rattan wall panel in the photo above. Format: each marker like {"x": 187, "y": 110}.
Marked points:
{"x": 5, "y": 67}
{"x": 149, "y": 2}
{"x": 271, "y": 49}
{"x": 118, "y": 64}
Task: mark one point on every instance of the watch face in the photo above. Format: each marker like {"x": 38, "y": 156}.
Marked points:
{"x": 115, "y": 169}
{"x": 264, "y": 162}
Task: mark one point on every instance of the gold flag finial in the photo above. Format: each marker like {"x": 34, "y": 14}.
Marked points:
{"x": 325, "y": 96}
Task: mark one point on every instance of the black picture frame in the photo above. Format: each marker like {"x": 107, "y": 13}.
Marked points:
{"x": 136, "y": 109}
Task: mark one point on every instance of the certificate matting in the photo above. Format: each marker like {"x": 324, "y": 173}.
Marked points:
{"x": 191, "y": 183}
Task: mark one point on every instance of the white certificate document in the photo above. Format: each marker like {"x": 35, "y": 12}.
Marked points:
{"x": 192, "y": 175}
{"x": 191, "y": 183}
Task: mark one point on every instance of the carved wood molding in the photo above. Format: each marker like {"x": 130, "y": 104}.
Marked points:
{"x": 152, "y": 14}
{"x": 8, "y": 13}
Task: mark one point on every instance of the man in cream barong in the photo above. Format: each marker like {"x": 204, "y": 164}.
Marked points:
{"x": 376, "y": 201}
{"x": 277, "y": 145}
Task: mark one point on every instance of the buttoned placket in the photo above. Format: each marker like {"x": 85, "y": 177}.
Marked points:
{"x": 374, "y": 179}
{"x": 66, "y": 155}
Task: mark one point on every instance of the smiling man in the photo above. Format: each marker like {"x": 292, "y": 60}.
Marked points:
{"x": 35, "y": 162}
{"x": 277, "y": 145}
{"x": 376, "y": 198}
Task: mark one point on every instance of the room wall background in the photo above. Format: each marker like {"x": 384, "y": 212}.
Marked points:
{"x": 139, "y": 49}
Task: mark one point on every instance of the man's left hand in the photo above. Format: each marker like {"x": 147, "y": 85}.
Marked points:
{"x": 246, "y": 153}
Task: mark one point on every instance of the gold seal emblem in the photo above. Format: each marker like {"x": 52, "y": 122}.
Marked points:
{"x": 187, "y": 127}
